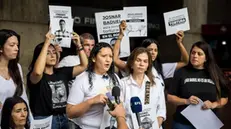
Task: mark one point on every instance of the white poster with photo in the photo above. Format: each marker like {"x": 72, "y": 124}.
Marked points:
{"x": 61, "y": 24}
{"x": 107, "y": 24}
{"x": 62, "y": 29}
{"x": 136, "y": 18}
{"x": 42, "y": 124}
{"x": 147, "y": 117}
{"x": 176, "y": 20}
{"x": 61, "y": 12}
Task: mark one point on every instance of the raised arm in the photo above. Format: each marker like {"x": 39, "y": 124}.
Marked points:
{"x": 37, "y": 72}
{"x": 184, "y": 54}
{"x": 118, "y": 62}
{"x": 82, "y": 56}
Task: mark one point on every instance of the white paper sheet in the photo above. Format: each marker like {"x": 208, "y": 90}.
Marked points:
{"x": 42, "y": 124}
{"x": 201, "y": 119}
{"x": 136, "y": 18}
{"x": 61, "y": 24}
{"x": 176, "y": 20}
{"x": 107, "y": 25}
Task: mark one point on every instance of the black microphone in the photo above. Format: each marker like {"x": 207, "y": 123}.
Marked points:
{"x": 116, "y": 94}
{"x": 136, "y": 107}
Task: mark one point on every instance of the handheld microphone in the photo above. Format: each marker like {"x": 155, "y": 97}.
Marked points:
{"x": 136, "y": 107}
{"x": 116, "y": 94}
{"x": 110, "y": 101}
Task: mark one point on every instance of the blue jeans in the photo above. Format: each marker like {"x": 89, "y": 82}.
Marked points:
{"x": 177, "y": 125}
{"x": 58, "y": 121}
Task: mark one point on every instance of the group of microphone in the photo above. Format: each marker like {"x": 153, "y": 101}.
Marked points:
{"x": 136, "y": 105}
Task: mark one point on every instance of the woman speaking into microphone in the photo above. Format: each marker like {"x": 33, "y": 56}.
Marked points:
{"x": 87, "y": 97}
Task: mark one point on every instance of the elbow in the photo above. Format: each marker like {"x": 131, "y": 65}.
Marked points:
{"x": 37, "y": 72}
{"x": 69, "y": 112}
{"x": 170, "y": 99}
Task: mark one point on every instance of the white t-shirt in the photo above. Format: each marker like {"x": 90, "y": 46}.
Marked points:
{"x": 8, "y": 89}
{"x": 130, "y": 89}
{"x": 69, "y": 61}
{"x": 81, "y": 92}
{"x": 169, "y": 69}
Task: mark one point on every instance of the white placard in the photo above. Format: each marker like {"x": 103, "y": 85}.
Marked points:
{"x": 42, "y": 124}
{"x": 201, "y": 119}
{"x": 61, "y": 24}
{"x": 148, "y": 118}
{"x": 62, "y": 29}
{"x": 107, "y": 24}
{"x": 136, "y": 19}
{"x": 176, "y": 20}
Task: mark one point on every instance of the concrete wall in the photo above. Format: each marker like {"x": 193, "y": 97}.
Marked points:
{"x": 29, "y": 18}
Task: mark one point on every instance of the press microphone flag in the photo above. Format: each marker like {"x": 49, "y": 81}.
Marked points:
{"x": 136, "y": 107}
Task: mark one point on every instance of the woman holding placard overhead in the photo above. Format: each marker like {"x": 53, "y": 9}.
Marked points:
{"x": 48, "y": 86}
{"x": 200, "y": 82}
{"x": 163, "y": 71}
{"x": 142, "y": 84}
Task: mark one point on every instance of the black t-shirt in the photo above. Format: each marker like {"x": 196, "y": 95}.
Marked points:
{"x": 196, "y": 82}
{"x": 49, "y": 95}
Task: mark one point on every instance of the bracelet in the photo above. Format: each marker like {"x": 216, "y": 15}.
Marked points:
{"x": 121, "y": 117}
{"x": 80, "y": 49}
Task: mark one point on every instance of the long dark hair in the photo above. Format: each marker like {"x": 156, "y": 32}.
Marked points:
{"x": 210, "y": 66}
{"x": 7, "y": 121}
{"x": 131, "y": 59}
{"x": 157, "y": 62}
{"x": 90, "y": 68}
{"x": 37, "y": 51}
{"x": 13, "y": 64}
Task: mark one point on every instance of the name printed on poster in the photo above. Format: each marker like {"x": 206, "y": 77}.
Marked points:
{"x": 177, "y": 20}
{"x": 145, "y": 112}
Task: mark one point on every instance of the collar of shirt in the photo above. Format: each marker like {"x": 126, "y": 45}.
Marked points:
{"x": 132, "y": 82}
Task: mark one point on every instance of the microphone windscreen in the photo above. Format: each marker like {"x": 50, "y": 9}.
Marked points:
{"x": 115, "y": 91}
{"x": 136, "y": 104}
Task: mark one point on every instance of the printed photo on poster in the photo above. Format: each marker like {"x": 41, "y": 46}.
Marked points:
{"x": 148, "y": 118}
{"x": 136, "y": 19}
{"x": 60, "y": 12}
{"x": 42, "y": 123}
{"x": 62, "y": 29}
{"x": 176, "y": 20}
{"x": 107, "y": 25}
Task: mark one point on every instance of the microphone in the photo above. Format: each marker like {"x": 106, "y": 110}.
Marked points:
{"x": 136, "y": 107}
{"x": 110, "y": 101}
{"x": 116, "y": 94}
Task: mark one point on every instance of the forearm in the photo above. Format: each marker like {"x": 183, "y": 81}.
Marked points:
{"x": 119, "y": 63}
{"x": 160, "y": 120}
{"x": 78, "y": 110}
{"x": 220, "y": 103}
{"x": 177, "y": 100}
{"x": 184, "y": 53}
{"x": 41, "y": 60}
{"x": 121, "y": 123}
{"x": 83, "y": 59}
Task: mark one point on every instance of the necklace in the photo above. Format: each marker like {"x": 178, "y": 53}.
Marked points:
{"x": 5, "y": 73}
